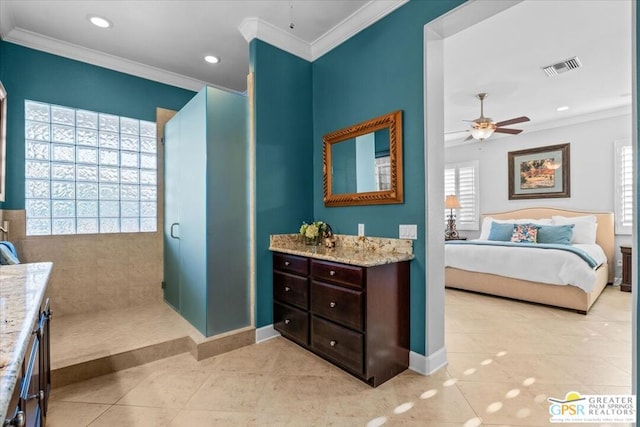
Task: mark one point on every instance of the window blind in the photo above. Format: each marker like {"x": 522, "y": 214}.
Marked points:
{"x": 461, "y": 179}
{"x": 624, "y": 186}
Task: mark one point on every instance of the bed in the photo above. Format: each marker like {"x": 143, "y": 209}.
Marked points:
{"x": 564, "y": 296}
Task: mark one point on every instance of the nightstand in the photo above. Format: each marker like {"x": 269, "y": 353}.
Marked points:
{"x": 625, "y": 286}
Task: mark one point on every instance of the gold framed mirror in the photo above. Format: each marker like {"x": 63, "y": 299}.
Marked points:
{"x": 362, "y": 164}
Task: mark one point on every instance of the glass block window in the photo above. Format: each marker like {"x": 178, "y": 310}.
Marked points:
{"x": 88, "y": 172}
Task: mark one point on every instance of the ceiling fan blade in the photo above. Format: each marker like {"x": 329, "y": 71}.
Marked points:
{"x": 509, "y": 131}
{"x": 513, "y": 121}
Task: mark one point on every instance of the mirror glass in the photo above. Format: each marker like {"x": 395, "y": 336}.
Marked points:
{"x": 363, "y": 163}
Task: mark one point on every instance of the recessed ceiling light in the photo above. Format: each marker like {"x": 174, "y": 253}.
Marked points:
{"x": 99, "y": 21}
{"x": 563, "y": 108}
{"x": 212, "y": 59}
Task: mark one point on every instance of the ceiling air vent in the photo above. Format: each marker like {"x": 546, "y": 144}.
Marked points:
{"x": 562, "y": 67}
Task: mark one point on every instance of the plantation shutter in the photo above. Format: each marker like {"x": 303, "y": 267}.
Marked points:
{"x": 624, "y": 186}
{"x": 468, "y": 213}
{"x": 461, "y": 179}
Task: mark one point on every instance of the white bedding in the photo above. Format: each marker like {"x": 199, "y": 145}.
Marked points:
{"x": 537, "y": 265}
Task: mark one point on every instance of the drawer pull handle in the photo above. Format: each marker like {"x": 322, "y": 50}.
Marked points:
{"x": 287, "y": 321}
{"x": 287, "y": 289}
{"x": 39, "y": 395}
{"x": 287, "y": 263}
{"x": 332, "y": 273}
{"x": 333, "y": 343}
{"x": 332, "y": 304}
{"x": 18, "y": 421}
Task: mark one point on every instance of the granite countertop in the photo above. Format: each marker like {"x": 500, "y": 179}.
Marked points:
{"x": 355, "y": 250}
{"x": 22, "y": 290}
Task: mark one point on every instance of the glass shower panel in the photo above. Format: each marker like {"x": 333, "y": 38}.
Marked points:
{"x": 192, "y": 194}
{"x": 172, "y": 212}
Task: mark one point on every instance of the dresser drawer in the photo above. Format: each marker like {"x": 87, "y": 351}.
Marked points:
{"x": 291, "y": 289}
{"x": 291, "y": 263}
{"x": 291, "y": 322}
{"x": 337, "y": 303}
{"x": 343, "y": 274}
{"x": 343, "y": 345}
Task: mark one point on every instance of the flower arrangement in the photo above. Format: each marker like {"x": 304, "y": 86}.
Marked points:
{"x": 311, "y": 233}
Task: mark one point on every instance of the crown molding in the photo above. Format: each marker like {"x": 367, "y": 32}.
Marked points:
{"x": 362, "y": 18}
{"x": 256, "y": 28}
{"x": 101, "y": 59}
{"x": 250, "y": 28}
{"x": 370, "y": 13}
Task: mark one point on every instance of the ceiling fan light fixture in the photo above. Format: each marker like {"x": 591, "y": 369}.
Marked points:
{"x": 482, "y": 132}
{"x": 99, "y": 21}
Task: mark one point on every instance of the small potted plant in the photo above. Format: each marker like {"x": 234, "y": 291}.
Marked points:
{"x": 313, "y": 232}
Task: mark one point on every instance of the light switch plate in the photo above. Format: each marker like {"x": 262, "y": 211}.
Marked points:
{"x": 408, "y": 231}
{"x": 360, "y": 229}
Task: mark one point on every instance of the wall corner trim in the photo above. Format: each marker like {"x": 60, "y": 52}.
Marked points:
{"x": 266, "y": 333}
{"x": 427, "y": 365}
{"x": 254, "y": 27}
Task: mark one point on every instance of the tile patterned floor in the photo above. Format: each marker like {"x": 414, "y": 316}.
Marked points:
{"x": 505, "y": 359}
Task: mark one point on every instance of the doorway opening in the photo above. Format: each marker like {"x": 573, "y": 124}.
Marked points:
{"x": 435, "y": 33}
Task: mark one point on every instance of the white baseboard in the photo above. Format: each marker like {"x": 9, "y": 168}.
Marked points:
{"x": 427, "y": 365}
{"x": 266, "y": 333}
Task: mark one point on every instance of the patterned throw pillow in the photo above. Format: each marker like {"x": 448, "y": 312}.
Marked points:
{"x": 526, "y": 233}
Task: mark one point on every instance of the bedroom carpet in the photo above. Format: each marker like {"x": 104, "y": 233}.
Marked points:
{"x": 505, "y": 359}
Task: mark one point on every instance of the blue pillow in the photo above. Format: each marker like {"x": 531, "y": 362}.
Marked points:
{"x": 501, "y": 232}
{"x": 8, "y": 255}
{"x": 560, "y": 234}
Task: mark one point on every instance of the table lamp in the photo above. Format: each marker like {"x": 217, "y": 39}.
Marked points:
{"x": 451, "y": 202}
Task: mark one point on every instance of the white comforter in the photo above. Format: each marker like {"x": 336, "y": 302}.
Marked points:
{"x": 538, "y": 265}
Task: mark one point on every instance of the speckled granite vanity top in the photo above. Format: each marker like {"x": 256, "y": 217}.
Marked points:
{"x": 22, "y": 289}
{"x": 361, "y": 251}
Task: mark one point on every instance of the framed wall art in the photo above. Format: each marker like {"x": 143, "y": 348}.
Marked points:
{"x": 539, "y": 173}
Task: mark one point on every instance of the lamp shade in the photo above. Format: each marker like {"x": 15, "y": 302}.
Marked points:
{"x": 451, "y": 202}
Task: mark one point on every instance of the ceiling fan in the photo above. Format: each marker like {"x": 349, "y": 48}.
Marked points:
{"x": 483, "y": 127}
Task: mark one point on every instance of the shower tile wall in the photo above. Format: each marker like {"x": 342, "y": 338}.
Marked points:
{"x": 94, "y": 272}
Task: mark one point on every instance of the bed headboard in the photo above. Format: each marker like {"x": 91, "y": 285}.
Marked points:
{"x": 605, "y": 234}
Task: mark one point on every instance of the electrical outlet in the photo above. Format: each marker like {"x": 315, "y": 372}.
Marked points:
{"x": 619, "y": 263}
{"x": 360, "y": 229}
{"x": 408, "y": 231}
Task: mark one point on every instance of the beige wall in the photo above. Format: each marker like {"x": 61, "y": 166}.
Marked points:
{"x": 93, "y": 272}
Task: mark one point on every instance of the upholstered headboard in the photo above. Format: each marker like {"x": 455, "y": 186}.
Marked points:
{"x": 605, "y": 234}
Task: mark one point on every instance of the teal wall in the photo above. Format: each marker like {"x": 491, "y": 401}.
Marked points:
{"x": 31, "y": 74}
{"x": 378, "y": 71}
{"x": 284, "y": 189}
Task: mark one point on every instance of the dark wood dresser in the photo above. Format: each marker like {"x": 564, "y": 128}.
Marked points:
{"x": 625, "y": 286}
{"x": 355, "y": 317}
